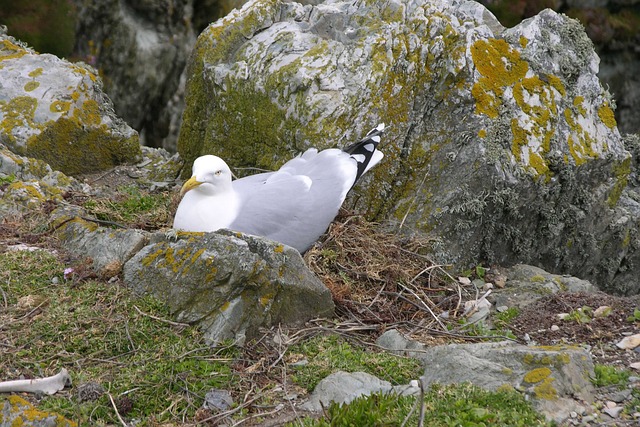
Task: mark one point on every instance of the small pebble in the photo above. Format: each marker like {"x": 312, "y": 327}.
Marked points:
{"x": 555, "y": 328}
{"x": 613, "y": 412}
{"x": 573, "y": 414}
{"x": 629, "y": 342}
{"x": 502, "y": 309}
{"x": 55, "y": 280}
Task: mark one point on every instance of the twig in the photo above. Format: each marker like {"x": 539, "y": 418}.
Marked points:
{"x": 25, "y": 316}
{"x": 279, "y": 408}
{"x": 102, "y": 176}
{"x": 102, "y": 221}
{"x": 226, "y": 414}
{"x": 417, "y": 192}
{"x": 4, "y": 295}
{"x": 126, "y": 329}
{"x": 159, "y": 319}
{"x": 425, "y": 306}
{"x": 422, "y": 405}
{"x": 116, "y": 409}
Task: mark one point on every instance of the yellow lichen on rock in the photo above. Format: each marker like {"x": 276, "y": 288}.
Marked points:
{"x": 537, "y": 375}
{"x": 505, "y": 77}
{"x": 500, "y": 67}
{"x": 606, "y": 115}
{"x": 22, "y": 413}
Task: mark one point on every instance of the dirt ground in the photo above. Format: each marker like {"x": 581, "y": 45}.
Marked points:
{"x": 601, "y": 334}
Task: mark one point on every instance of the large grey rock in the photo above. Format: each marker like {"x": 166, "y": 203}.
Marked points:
{"x": 56, "y": 111}
{"x": 343, "y": 387}
{"x": 141, "y": 48}
{"x": 228, "y": 283}
{"x": 27, "y": 183}
{"x": 109, "y": 249}
{"x": 527, "y": 283}
{"x": 16, "y": 411}
{"x": 504, "y": 144}
{"x": 551, "y": 376}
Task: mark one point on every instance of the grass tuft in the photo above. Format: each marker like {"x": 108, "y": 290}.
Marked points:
{"x": 95, "y": 331}
{"x": 452, "y": 405}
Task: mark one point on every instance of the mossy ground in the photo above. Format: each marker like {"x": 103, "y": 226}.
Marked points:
{"x": 464, "y": 405}
{"x": 158, "y": 372}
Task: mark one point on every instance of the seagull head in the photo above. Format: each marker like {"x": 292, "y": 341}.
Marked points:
{"x": 210, "y": 175}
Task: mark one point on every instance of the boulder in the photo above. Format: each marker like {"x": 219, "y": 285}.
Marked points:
{"x": 551, "y": 376}
{"x": 526, "y": 283}
{"x": 503, "y": 146}
{"x": 27, "y": 183}
{"x": 55, "y": 111}
{"x": 228, "y": 283}
{"x": 343, "y": 387}
{"x": 108, "y": 249}
{"x": 16, "y": 411}
{"x": 141, "y": 49}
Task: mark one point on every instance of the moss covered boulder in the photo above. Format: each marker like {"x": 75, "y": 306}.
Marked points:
{"x": 16, "y": 411}
{"x": 228, "y": 284}
{"x": 54, "y": 110}
{"x": 503, "y": 145}
{"x": 555, "y": 378}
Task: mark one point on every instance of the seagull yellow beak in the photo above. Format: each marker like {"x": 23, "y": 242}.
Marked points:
{"x": 189, "y": 185}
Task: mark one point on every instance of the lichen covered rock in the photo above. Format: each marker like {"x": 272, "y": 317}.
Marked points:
{"x": 228, "y": 284}
{"x": 551, "y": 376}
{"x": 108, "y": 249}
{"x": 15, "y": 411}
{"x": 54, "y": 110}
{"x": 503, "y": 144}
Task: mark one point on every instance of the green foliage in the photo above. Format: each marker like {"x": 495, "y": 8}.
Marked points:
{"x": 635, "y": 317}
{"x": 102, "y": 334}
{"x": 580, "y": 315}
{"x": 609, "y": 375}
{"x": 8, "y": 179}
{"x": 505, "y": 318}
{"x": 480, "y": 329}
{"x": 454, "y": 405}
{"x": 480, "y": 271}
{"x": 132, "y": 206}
{"x": 328, "y": 354}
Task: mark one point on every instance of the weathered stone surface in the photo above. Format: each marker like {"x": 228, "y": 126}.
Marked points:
{"x": 613, "y": 27}
{"x": 141, "y": 49}
{"x": 28, "y": 183}
{"x": 394, "y": 342}
{"x": 506, "y": 149}
{"x": 15, "y": 411}
{"x": 527, "y": 283}
{"x": 342, "y": 387}
{"x": 552, "y": 376}
{"x": 229, "y": 284}
{"x": 54, "y": 110}
{"x": 108, "y": 249}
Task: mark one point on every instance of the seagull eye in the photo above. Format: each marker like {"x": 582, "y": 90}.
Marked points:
{"x": 218, "y": 173}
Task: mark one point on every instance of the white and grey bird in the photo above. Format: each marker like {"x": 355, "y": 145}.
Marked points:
{"x": 293, "y": 205}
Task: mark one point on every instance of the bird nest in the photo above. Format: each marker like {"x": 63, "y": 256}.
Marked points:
{"x": 385, "y": 279}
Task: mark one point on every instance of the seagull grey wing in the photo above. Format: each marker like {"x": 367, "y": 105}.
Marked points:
{"x": 296, "y": 204}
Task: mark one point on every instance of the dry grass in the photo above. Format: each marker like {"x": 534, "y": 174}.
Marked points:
{"x": 384, "y": 279}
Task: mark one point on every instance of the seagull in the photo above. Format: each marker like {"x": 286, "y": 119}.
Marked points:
{"x": 293, "y": 205}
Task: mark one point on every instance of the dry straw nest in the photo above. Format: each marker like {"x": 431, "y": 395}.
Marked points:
{"x": 383, "y": 278}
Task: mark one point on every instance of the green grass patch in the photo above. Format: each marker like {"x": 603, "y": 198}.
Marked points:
{"x": 94, "y": 330}
{"x": 453, "y": 405}
{"x": 132, "y": 206}
{"x": 606, "y": 375}
{"x": 328, "y": 354}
